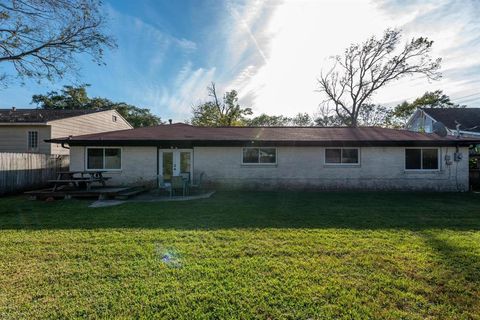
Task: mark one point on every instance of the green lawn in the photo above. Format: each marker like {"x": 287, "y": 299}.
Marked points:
{"x": 244, "y": 255}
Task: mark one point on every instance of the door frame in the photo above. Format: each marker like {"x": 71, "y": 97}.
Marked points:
{"x": 175, "y": 160}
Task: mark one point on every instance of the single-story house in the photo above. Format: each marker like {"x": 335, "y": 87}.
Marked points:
{"x": 24, "y": 130}
{"x": 277, "y": 157}
{"x": 458, "y": 121}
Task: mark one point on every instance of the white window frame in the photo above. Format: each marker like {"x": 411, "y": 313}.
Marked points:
{"x": 259, "y": 163}
{"x": 341, "y": 155}
{"x": 104, "y": 169}
{"x": 29, "y": 148}
{"x": 421, "y": 160}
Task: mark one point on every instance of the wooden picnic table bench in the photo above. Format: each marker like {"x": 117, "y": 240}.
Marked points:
{"x": 86, "y": 178}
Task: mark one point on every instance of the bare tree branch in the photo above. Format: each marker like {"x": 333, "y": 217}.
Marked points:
{"x": 365, "y": 68}
{"x": 42, "y": 39}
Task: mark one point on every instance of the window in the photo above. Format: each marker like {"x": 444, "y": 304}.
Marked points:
{"x": 104, "y": 158}
{"x": 421, "y": 159}
{"x": 341, "y": 156}
{"x": 259, "y": 156}
{"x": 32, "y": 140}
{"x": 114, "y": 118}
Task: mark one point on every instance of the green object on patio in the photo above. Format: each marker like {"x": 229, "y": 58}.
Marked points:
{"x": 198, "y": 185}
{"x": 178, "y": 182}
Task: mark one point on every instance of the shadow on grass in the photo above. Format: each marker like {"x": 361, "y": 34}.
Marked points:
{"x": 352, "y": 210}
{"x": 460, "y": 271}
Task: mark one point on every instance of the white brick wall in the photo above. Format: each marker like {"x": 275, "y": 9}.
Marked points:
{"x": 139, "y": 165}
{"x": 303, "y": 167}
{"x": 381, "y": 168}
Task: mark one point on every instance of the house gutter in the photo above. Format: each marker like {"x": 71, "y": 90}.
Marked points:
{"x": 267, "y": 143}
{"x": 9, "y": 124}
{"x": 158, "y": 165}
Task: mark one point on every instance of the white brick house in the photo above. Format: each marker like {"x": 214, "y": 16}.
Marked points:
{"x": 278, "y": 157}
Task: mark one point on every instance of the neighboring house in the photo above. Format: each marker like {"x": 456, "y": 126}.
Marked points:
{"x": 24, "y": 130}
{"x": 278, "y": 157}
{"x": 458, "y": 121}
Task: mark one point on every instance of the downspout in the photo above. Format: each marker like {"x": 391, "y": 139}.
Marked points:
{"x": 158, "y": 163}
{"x": 63, "y": 143}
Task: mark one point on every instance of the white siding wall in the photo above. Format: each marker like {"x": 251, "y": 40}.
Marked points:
{"x": 15, "y": 139}
{"x": 85, "y": 124}
{"x": 297, "y": 168}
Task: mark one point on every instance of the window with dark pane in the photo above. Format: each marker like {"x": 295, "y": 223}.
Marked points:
{"x": 349, "y": 155}
{"x": 95, "y": 158}
{"x": 333, "y": 155}
{"x": 268, "y": 155}
{"x": 113, "y": 158}
{"x": 250, "y": 155}
{"x": 421, "y": 159}
{"x": 429, "y": 159}
{"x": 413, "y": 159}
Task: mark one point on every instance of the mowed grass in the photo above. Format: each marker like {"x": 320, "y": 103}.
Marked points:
{"x": 244, "y": 255}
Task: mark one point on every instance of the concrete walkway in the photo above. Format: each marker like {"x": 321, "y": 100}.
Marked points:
{"x": 149, "y": 197}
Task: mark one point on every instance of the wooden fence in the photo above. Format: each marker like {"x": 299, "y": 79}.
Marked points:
{"x": 26, "y": 171}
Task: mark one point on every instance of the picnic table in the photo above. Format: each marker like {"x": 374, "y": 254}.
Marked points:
{"x": 79, "y": 178}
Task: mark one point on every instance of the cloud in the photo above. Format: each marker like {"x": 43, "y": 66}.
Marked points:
{"x": 272, "y": 52}
{"x": 189, "y": 89}
{"x": 455, "y": 29}
{"x": 140, "y": 71}
{"x": 186, "y": 45}
{"x": 297, "y": 39}
{"x": 294, "y": 39}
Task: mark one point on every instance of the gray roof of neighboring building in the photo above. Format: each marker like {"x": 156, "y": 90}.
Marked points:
{"x": 469, "y": 118}
{"x": 39, "y": 115}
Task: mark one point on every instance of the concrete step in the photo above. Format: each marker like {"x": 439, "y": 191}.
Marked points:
{"x": 124, "y": 195}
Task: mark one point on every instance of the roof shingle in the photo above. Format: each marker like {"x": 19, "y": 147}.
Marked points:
{"x": 39, "y": 115}
{"x": 186, "y": 135}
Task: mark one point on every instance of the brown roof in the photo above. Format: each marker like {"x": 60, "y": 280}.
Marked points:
{"x": 39, "y": 115}
{"x": 183, "y": 135}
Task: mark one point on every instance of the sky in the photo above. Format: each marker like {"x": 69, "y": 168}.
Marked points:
{"x": 271, "y": 52}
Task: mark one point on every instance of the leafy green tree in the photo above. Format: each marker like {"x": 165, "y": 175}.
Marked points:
{"x": 224, "y": 112}
{"x": 369, "y": 115}
{"x": 372, "y": 115}
{"x": 435, "y": 99}
{"x": 302, "y": 120}
{"x": 41, "y": 39}
{"x": 264, "y": 120}
{"x": 71, "y": 97}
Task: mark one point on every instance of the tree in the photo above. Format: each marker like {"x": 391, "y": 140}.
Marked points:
{"x": 217, "y": 113}
{"x": 264, "y": 120}
{"x": 71, "y": 97}
{"x": 302, "y": 120}
{"x": 367, "y": 67}
{"x": 41, "y": 39}
{"x": 372, "y": 115}
{"x": 436, "y": 99}
{"x": 326, "y": 117}
{"x": 369, "y": 115}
